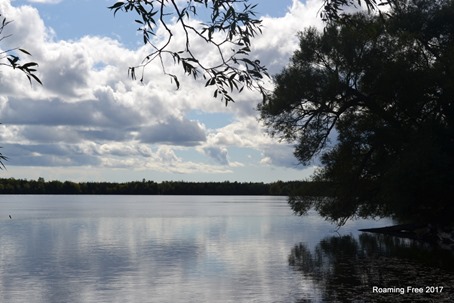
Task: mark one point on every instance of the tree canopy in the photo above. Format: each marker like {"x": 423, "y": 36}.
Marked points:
{"x": 372, "y": 98}
{"x": 334, "y": 9}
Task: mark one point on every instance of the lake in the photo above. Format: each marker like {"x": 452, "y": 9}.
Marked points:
{"x": 204, "y": 249}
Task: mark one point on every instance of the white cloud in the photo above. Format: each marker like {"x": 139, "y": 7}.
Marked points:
{"x": 279, "y": 38}
{"x": 174, "y": 131}
{"x": 88, "y": 113}
{"x": 28, "y": 29}
{"x": 219, "y": 154}
{"x": 45, "y": 1}
{"x": 279, "y": 155}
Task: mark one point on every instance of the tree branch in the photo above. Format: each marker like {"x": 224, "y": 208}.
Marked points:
{"x": 233, "y": 72}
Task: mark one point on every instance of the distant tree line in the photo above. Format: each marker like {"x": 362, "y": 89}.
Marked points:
{"x": 147, "y": 187}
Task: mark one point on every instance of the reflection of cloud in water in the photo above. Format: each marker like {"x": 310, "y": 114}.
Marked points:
{"x": 156, "y": 249}
{"x": 213, "y": 259}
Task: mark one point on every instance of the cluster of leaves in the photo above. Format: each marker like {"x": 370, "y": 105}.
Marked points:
{"x": 10, "y": 57}
{"x": 229, "y": 30}
{"x": 334, "y": 9}
{"x": 385, "y": 93}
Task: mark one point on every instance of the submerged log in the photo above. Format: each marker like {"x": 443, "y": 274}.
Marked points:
{"x": 442, "y": 236}
{"x": 410, "y": 231}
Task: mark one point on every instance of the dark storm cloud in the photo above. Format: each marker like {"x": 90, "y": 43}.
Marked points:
{"x": 174, "y": 131}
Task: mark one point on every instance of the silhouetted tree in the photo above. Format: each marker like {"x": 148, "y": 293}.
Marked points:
{"x": 335, "y": 9}
{"x": 374, "y": 99}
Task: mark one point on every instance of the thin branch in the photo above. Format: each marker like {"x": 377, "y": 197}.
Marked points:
{"x": 233, "y": 72}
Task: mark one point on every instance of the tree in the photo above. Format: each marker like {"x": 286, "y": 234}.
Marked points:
{"x": 334, "y": 9}
{"x": 376, "y": 106}
{"x": 10, "y": 58}
{"x": 230, "y": 27}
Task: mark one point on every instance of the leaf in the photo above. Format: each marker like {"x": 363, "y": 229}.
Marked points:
{"x": 116, "y": 5}
{"x": 28, "y": 65}
{"x": 36, "y": 79}
{"x": 13, "y": 60}
{"x": 24, "y": 51}
{"x": 177, "y": 83}
{"x": 132, "y": 73}
{"x": 210, "y": 82}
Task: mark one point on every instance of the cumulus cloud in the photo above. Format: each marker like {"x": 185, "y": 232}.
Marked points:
{"x": 174, "y": 131}
{"x": 50, "y": 134}
{"x": 55, "y": 111}
{"x": 279, "y": 38}
{"x": 279, "y": 155}
{"x": 48, "y": 155}
{"x": 88, "y": 113}
{"x": 219, "y": 154}
{"x": 45, "y": 1}
{"x": 48, "y": 112}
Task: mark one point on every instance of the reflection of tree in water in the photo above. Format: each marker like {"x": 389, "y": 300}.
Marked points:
{"x": 345, "y": 269}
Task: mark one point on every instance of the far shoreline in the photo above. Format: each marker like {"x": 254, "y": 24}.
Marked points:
{"x": 149, "y": 187}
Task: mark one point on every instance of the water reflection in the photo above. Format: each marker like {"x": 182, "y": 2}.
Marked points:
{"x": 145, "y": 249}
{"x": 187, "y": 249}
{"x": 347, "y": 268}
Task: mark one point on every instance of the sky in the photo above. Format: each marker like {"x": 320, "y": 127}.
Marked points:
{"x": 90, "y": 122}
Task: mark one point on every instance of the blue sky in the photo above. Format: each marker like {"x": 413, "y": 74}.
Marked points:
{"x": 90, "y": 122}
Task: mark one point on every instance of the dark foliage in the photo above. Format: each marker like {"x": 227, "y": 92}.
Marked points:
{"x": 346, "y": 268}
{"x": 145, "y": 187}
{"x": 334, "y": 9}
{"x": 373, "y": 98}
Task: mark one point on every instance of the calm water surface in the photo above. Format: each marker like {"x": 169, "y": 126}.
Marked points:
{"x": 202, "y": 249}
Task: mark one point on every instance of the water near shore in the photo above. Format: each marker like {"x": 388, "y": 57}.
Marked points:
{"x": 204, "y": 249}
